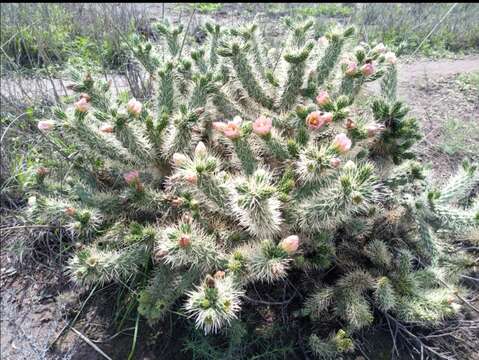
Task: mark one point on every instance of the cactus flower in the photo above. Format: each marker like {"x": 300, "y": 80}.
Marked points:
{"x": 314, "y": 120}
{"x": 82, "y": 105}
{"x": 323, "y": 41}
{"x": 42, "y": 171}
{"x": 342, "y": 143}
{"x": 367, "y": 69}
{"x": 191, "y": 178}
{"x": 184, "y": 241}
{"x": 200, "y": 150}
{"x": 46, "y": 125}
{"x": 179, "y": 159}
{"x": 290, "y": 244}
{"x": 132, "y": 177}
{"x": 70, "y": 211}
{"x": 262, "y": 126}
{"x": 134, "y": 107}
{"x": 351, "y": 68}
{"x": 106, "y": 128}
{"x": 232, "y": 129}
{"x": 323, "y": 98}
{"x": 335, "y": 162}
{"x": 219, "y": 126}
{"x": 379, "y": 48}
{"x": 350, "y": 124}
{"x": 390, "y": 58}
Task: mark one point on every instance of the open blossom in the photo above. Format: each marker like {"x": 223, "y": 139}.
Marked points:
{"x": 134, "y": 107}
{"x": 351, "y": 68}
{"x": 379, "y": 48}
{"x": 179, "y": 159}
{"x": 46, "y": 125}
{"x": 342, "y": 143}
{"x": 317, "y": 119}
{"x": 323, "y": 98}
{"x": 335, "y": 162}
{"x": 374, "y": 129}
{"x": 132, "y": 177}
{"x": 232, "y": 128}
{"x": 200, "y": 150}
{"x": 82, "y": 105}
{"x": 390, "y": 57}
{"x": 290, "y": 244}
{"x": 106, "y": 128}
{"x": 367, "y": 69}
{"x": 219, "y": 126}
{"x": 262, "y": 126}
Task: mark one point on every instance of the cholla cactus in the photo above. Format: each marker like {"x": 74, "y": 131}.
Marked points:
{"x": 255, "y": 169}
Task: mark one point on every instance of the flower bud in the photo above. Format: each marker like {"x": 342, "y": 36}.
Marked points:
{"x": 179, "y": 159}
{"x": 367, "y": 69}
{"x": 191, "y": 178}
{"x": 335, "y": 162}
{"x": 132, "y": 177}
{"x": 70, "y": 211}
{"x": 374, "y": 129}
{"x": 200, "y": 150}
{"x": 350, "y": 124}
{"x": 351, "y": 68}
{"x": 390, "y": 58}
{"x": 106, "y": 128}
{"x": 323, "y": 98}
{"x": 46, "y": 125}
{"x": 184, "y": 241}
{"x": 42, "y": 171}
{"x": 219, "y": 275}
{"x": 290, "y": 244}
{"x": 82, "y": 105}
{"x": 134, "y": 107}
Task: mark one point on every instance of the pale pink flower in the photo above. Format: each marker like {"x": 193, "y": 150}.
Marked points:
{"x": 262, "y": 126}
{"x": 374, "y": 129}
{"x": 132, "y": 177}
{"x": 335, "y": 162}
{"x": 379, "y": 48}
{"x": 232, "y": 129}
{"x": 46, "y": 125}
{"x": 82, "y": 105}
{"x": 327, "y": 117}
{"x": 134, "y": 107}
{"x": 390, "y": 57}
{"x": 179, "y": 159}
{"x": 323, "y": 98}
{"x": 290, "y": 244}
{"x": 191, "y": 178}
{"x": 323, "y": 41}
{"x": 106, "y": 128}
{"x": 200, "y": 150}
{"x": 315, "y": 120}
{"x": 367, "y": 69}
{"x": 219, "y": 126}
{"x": 342, "y": 143}
{"x": 351, "y": 68}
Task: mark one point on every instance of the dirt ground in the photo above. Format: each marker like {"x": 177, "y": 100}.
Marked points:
{"x": 32, "y": 311}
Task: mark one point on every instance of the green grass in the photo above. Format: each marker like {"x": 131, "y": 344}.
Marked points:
{"x": 468, "y": 81}
{"x": 204, "y": 8}
{"x": 459, "y": 138}
{"x": 331, "y": 10}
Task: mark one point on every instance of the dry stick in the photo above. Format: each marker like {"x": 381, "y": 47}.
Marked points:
{"x": 89, "y": 342}
{"x": 434, "y": 28}
{"x": 29, "y": 226}
{"x": 186, "y": 31}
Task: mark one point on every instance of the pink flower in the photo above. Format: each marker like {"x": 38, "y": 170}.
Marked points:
{"x": 219, "y": 126}
{"x": 46, "y": 125}
{"x": 179, "y": 159}
{"x": 290, "y": 244}
{"x": 132, "y": 177}
{"x": 390, "y": 58}
{"x": 350, "y": 124}
{"x": 323, "y": 41}
{"x": 42, "y": 171}
{"x": 379, "y": 48}
{"x": 327, "y": 117}
{"x": 323, "y": 98}
{"x": 351, "y": 68}
{"x": 262, "y": 126}
{"x": 70, "y": 211}
{"x": 314, "y": 120}
{"x": 82, "y": 105}
{"x": 106, "y": 128}
{"x": 374, "y": 129}
{"x": 134, "y": 107}
{"x": 232, "y": 129}
{"x": 191, "y": 178}
{"x": 342, "y": 143}
{"x": 335, "y": 162}
{"x": 367, "y": 69}
{"x": 200, "y": 150}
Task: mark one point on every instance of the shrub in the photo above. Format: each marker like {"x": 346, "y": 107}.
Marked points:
{"x": 252, "y": 169}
